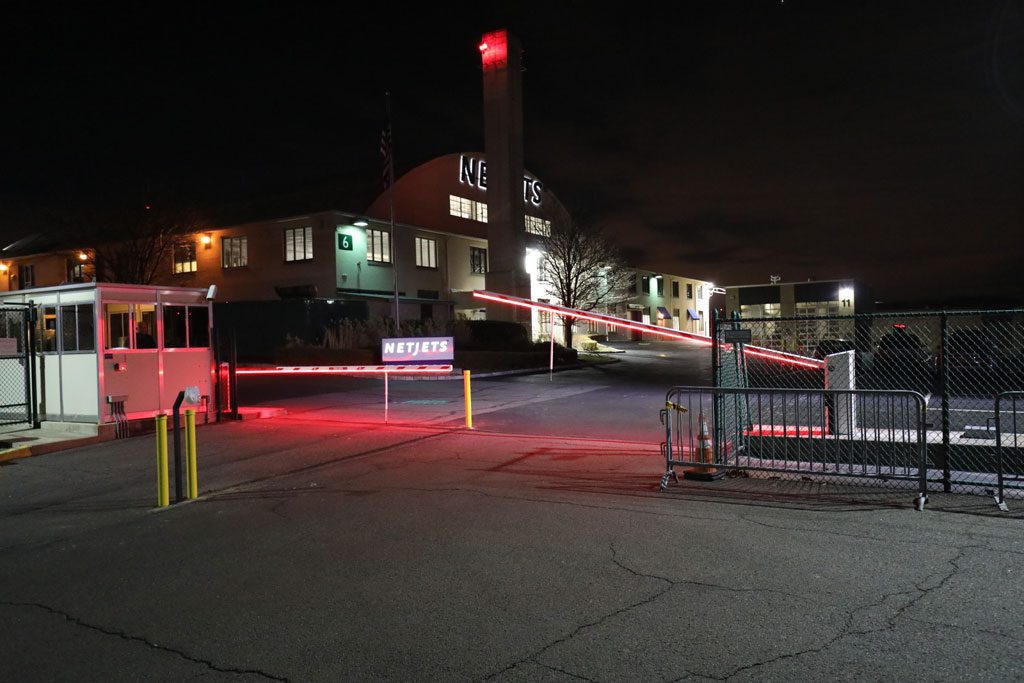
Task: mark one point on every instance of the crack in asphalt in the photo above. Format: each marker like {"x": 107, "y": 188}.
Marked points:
{"x": 843, "y": 534}
{"x": 613, "y": 508}
{"x": 920, "y": 588}
{"x": 71, "y": 619}
{"x": 958, "y": 627}
{"x": 563, "y": 671}
{"x": 532, "y": 657}
{"x": 669, "y": 584}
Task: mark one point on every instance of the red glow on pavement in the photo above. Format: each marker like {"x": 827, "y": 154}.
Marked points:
{"x": 349, "y": 370}
{"x": 770, "y": 354}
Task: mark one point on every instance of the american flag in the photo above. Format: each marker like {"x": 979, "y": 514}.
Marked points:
{"x": 385, "y": 151}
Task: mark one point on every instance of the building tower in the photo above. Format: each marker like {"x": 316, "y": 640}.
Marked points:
{"x": 503, "y": 141}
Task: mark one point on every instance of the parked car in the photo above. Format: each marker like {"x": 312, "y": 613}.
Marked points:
{"x": 971, "y": 350}
{"x": 901, "y": 361}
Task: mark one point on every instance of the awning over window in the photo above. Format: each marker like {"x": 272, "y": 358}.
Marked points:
{"x": 663, "y": 313}
{"x": 693, "y": 314}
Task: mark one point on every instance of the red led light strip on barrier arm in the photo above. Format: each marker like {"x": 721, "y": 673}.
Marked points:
{"x": 349, "y": 370}
{"x": 760, "y": 352}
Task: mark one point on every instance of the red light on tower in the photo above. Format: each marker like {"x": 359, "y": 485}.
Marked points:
{"x": 494, "y": 50}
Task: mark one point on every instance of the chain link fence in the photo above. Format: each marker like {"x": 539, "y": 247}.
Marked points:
{"x": 15, "y": 366}
{"x": 959, "y": 361}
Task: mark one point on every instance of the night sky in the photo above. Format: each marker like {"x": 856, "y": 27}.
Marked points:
{"x": 725, "y": 140}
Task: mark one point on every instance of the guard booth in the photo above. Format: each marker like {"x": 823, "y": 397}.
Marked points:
{"x": 110, "y": 353}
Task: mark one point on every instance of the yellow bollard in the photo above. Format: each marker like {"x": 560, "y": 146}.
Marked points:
{"x": 163, "y": 494}
{"x": 190, "y": 451}
{"x": 468, "y": 391}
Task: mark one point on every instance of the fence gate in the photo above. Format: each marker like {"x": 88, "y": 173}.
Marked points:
{"x": 17, "y": 361}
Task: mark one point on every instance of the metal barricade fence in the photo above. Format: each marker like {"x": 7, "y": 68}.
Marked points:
{"x": 1009, "y": 444}
{"x": 874, "y": 436}
{"x": 958, "y": 360}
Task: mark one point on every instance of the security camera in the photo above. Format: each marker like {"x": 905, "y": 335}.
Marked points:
{"x": 211, "y": 293}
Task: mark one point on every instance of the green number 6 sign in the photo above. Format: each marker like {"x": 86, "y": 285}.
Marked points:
{"x": 345, "y": 242}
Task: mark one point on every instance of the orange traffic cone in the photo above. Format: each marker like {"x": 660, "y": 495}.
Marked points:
{"x": 705, "y": 454}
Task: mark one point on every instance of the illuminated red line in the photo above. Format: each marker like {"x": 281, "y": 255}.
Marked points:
{"x": 783, "y": 357}
{"x": 771, "y": 354}
{"x": 595, "y": 317}
{"x": 349, "y": 370}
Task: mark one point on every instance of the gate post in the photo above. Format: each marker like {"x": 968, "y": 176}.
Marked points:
{"x": 28, "y": 357}
{"x": 944, "y": 386}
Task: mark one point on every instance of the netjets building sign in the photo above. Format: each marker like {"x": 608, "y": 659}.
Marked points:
{"x": 473, "y": 172}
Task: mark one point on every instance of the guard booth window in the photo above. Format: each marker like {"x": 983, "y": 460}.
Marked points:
{"x": 120, "y": 333}
{"x": 47, "y": 327}
{"x": 118, "y": 325}
{"x": 186, "y": 327}
{"x": 77, "y": 330}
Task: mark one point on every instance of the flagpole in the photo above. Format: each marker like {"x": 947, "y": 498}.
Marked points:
{"x": 391, "y": 208}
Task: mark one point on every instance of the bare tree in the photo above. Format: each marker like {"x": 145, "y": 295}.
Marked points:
{"x": 584, "y": 269}
{"x": 134, "y": 245}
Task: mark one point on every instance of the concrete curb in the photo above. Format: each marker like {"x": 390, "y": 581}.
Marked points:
{"x": 44, "y": 448}
{"x": 502, "y": 373}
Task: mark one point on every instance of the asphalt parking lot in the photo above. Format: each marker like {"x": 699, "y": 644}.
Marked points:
{"x": 329, "y": 546}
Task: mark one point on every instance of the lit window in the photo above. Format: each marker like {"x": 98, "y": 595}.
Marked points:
{"x": 76, "y": 270}
{"x": 120, "y": 332}
{"x": 537, "y": 226}
{"x": 234, "y": 252}
{"x": 480, "y": 211}
{"x": 298, "y": 244}
{"x": 185, "y": 256}
{"x": 378, "y": 246}
{"x": 478, "y": 260}
{"x": 426, "y": 252}
{"x": 459, "y": 206}
{"x": 544, "y": 270}
{"x": 467, "y": 208}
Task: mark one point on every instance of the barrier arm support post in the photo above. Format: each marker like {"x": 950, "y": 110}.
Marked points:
{"x": 190, "y": 452}
{"x": 179, "y": 494}
{"x": 467, "y": 390}
{"x": 162, "y": 489}
{"x": 551, "y": 354}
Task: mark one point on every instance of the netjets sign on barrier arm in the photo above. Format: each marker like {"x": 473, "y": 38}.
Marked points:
{"x": 682, "y": 335}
